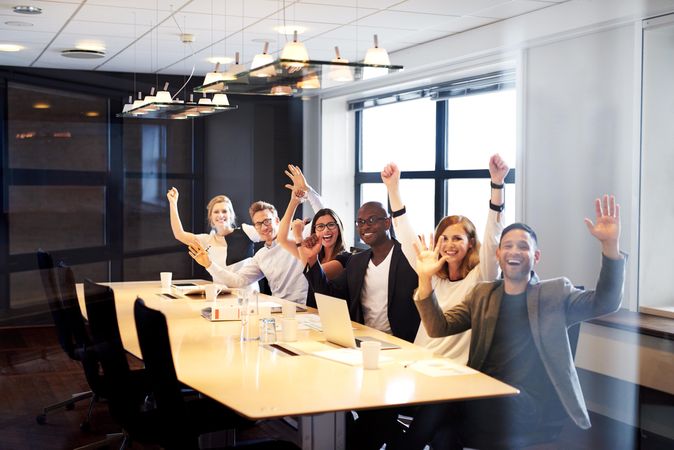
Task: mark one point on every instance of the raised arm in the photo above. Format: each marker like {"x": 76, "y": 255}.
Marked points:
{"x": 488, "y": 267}
{"x": 176, "y": 225}
{"x": 390, "y": 175}
{"x": 284, "y": 225}
{"x": 300, "y": 185}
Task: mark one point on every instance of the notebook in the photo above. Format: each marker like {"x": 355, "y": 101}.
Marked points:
{"x": 336, "y": 323}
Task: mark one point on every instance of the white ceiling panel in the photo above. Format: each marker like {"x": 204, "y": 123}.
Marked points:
{"x": 325, "y": 13}
{"x": 510, "y": 9}
{"x": 371, "y": 4}
{"x": 446, "y": 7}
{"x": 51, "y": 19}
{"x": 403, "y": 20}
{"x": 248, "y": 8}
{"x": 129, "y": 27}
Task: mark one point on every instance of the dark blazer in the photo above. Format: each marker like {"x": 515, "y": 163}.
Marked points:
{"x": 402, "y": 281}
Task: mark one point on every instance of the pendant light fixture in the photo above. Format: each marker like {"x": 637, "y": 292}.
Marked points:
{"x": 257, "y": 67}
{"x": 296, "y": 52}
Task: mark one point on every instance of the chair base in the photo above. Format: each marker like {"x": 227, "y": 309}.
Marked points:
{"x": 66, "y": 404}
{"x": 108, "y": 441}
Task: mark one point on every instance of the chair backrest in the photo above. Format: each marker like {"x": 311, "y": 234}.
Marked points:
{"x": 59, "y": 287}
{"x": 155, "y": 345}
{"x": 102, "y": 315}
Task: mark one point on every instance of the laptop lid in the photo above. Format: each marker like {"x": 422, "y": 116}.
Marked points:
{"x": 335, "y": 320}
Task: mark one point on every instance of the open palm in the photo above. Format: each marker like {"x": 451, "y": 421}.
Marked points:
{"x": 429, "y": 262}
{"x": 606, "y": 226}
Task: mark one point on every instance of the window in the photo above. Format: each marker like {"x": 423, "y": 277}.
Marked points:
{"x": 441, "y": 138}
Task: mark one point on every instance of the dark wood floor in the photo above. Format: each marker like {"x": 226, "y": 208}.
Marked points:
{"x": 35, "y": 372}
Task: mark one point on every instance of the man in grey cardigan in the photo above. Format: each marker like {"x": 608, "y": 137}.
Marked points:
{"x": 518, "y": 336}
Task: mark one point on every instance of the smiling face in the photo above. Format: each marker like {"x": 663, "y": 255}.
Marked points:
{"x": 266, "y": 224}
{"x": 327, "y": 230}
{"x": 376, "y": 232}
{"x": 219, "y": 217}
{"x": 455, "y": 243}
{"x": 517, "y": 255}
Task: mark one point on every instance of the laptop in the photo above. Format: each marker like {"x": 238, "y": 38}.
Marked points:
{"x": 336, "y": 323}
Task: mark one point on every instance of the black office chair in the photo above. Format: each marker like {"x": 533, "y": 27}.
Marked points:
{"x": 59, "y": 287}
{"x": 183, "y": 421}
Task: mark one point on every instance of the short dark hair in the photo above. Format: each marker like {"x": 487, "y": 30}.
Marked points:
{"x": 519, "y": 226}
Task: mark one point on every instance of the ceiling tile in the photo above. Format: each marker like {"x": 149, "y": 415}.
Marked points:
{"x": 510, "y": 9}
{"x": 446, "y": 7}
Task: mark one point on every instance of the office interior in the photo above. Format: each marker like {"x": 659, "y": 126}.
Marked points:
{"x": 591, "y": 114}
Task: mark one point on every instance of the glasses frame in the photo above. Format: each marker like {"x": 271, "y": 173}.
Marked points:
{"x": 370, "y": 221}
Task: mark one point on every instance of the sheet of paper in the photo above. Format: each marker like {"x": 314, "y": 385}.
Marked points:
{"x": 309, "y": 321}
{"x": 439, "y": 367}
{"x": 350, "y": 356}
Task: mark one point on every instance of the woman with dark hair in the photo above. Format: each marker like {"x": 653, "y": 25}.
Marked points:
{"x": 226, "y": 243}
{"x": 325, "y": 226}
{"x": 466, "y": 261}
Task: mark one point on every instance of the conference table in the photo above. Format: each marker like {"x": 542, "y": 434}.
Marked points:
{"x": 260, "y": 381}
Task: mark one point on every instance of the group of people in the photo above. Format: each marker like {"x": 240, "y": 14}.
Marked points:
{"x": 513, "y": 328}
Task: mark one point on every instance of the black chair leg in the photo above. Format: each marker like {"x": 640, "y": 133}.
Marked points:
{"x": 67, "y": 404}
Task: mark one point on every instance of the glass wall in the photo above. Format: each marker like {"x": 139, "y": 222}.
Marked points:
{"x": 91, "y": 190}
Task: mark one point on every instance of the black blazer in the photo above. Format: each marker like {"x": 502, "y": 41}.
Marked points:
{"x": 402, "y": 281}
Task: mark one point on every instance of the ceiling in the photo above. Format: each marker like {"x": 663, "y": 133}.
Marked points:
{"x": 144, "y": 35}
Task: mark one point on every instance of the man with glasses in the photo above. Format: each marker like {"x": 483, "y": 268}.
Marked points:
{"x": 280, "y": 268}
{"x": 377, "y": 283}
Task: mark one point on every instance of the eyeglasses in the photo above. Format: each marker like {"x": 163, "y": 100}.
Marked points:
{"x": 330, "y": 226}
{"x": 265, "y": 222}
{"x": 370, "y": 221}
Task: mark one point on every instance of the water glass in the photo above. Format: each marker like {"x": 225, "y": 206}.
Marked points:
{"x": 267, "y": 330}
{"x": 250, "y": 330}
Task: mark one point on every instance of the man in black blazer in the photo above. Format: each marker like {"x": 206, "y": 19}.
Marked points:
{"x": 377, "y": 297}
{"x": 378, "y": 285}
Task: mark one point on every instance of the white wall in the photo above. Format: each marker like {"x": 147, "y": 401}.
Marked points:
{"x": 579, "y": 69}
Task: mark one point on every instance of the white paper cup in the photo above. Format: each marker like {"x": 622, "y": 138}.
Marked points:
{"x": 370, "y": 350}
{"x": 165, "y": 278}
{"x": 289, "y": 328}
{"x": 212, "y": 291}
{"x": 288, "y": 309}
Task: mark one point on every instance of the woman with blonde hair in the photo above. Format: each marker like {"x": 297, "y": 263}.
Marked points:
{"x": 466, "y": 260}
{"x": 226, "y": 244}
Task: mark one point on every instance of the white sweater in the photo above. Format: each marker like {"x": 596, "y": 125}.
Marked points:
{"x": 449, "y": 293}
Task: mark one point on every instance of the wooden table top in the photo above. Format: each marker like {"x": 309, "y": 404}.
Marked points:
{"x": 260, "y": 382}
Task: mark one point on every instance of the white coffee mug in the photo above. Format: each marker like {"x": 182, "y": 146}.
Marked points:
{"x": 370, "y": 350}
{"x": 165, "y": 278}
{"x": 289, "y": 329}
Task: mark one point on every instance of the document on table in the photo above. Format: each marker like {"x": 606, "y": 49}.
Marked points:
{"x": 350, "y": 356}
{"x": 439, "y": 367}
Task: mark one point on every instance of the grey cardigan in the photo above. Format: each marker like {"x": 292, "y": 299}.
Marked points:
{"x": 553, "y": 305}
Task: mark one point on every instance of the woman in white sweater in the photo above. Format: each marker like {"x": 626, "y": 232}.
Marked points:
{"x": 467, "y": 262}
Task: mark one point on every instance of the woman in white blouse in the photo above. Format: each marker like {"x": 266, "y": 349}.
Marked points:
{"x": 226, "y": 244}
{"x": 467, "y": 262}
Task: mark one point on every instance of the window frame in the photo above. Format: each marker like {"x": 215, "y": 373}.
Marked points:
{"x": 441, "y": 174}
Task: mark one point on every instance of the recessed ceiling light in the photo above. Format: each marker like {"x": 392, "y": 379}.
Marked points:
{"x": 290, "y": 29}
{"x": 10, "y": 48}
{"x": 18, "y": 23}
{"x": 25, "y": 9}
{"x": 220, "y": 59}
{"x": 41, "y": 105}
{"x": 79, "y": 53}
